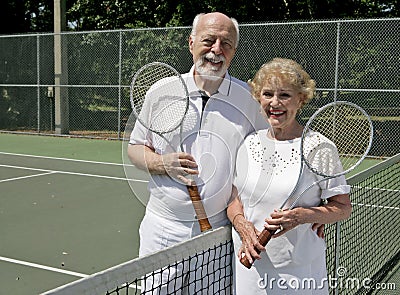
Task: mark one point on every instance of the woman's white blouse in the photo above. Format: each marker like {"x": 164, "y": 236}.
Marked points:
{"x": 266, "y": 173}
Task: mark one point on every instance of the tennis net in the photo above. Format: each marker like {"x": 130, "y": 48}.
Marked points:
{"x": 368, "y": 242}
{"x": 362, "y": 249}
{"x": 204, "y": 260}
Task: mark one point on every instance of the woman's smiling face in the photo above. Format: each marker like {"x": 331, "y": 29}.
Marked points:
{"x": 281, "y": 102}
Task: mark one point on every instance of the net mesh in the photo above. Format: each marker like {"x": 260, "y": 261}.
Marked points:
{"x": 361, "y": 251}
{"x": 369, "y": 247}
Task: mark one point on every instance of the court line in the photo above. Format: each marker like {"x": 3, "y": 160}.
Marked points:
{"x": 375, "y": 206}
{"x": 73, "y": 173}
{"x": 47, "y": 172}
{"x": 24, "y": 177}
{"x": 376, "y": 189}
{"x": 65, "y": 159}
{"x": 44, "y": 267}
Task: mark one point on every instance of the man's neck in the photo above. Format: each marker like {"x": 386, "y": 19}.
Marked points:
{"x": 209, "y": 86}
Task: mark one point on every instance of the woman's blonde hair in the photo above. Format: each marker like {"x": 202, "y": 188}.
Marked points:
{"x": 283, "y": 70}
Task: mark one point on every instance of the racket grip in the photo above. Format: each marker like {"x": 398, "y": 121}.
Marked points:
{"x": 263, "y": 239}
{"x": 199, "y": 208}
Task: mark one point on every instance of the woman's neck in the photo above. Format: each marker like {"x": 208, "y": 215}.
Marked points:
{"x": 287, "y": 133}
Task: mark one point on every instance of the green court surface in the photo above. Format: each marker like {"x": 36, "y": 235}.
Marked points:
{"x": 66, "y": 210}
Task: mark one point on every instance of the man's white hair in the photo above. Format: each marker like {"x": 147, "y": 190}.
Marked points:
{"x": 196, "y": 21}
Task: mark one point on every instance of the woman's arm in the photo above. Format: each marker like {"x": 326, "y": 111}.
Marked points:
{"x": 338, "y": 208}
{"x": 246, "y": 230}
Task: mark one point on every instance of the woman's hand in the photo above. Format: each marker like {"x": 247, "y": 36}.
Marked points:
{"x": 282, "y": 221}
{"x": 249, "y": 236}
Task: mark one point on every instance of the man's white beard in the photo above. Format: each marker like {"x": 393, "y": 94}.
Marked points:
{"x": 212, "y": 72}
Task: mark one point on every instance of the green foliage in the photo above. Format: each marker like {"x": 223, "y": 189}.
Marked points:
{"x": 18, "y": 16}
{"x": 93, "y": 59}
{"x": 165, "y": 45}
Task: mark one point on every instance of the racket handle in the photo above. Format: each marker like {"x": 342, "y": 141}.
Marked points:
{"x": 199, "y": 208}
{"x": 263, "y": 238}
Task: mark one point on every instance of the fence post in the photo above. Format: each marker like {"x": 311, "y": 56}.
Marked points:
{"x": 337, "y": 61}
{"x": 60, "y": 70}
{"x": 337, "y": 255}
{"x": 119, "y": 83}
{"x": 337, "y": 238}
{"x": 38, "y": 81}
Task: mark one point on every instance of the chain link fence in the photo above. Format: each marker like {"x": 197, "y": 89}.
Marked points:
{"x": 353, "y": 60}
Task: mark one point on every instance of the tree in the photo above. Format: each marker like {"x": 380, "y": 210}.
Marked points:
{"x": 12, "y": 18}
{"x": 89, "y": 15}
{"x": 17, "y": 16}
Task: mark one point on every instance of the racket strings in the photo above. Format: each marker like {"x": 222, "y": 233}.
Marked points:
{"x": 165, "y": 113}
{"x": 159, "y": 98}
{"x": 341, "y": 127}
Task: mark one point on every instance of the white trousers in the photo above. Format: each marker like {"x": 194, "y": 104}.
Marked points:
{"x": 195, "y": 276}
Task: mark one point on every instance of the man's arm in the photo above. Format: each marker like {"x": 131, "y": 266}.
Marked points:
{"x": 146, "y": 158}
{"x": 174, "y": 164}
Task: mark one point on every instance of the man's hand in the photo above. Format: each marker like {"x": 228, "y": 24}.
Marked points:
{"x": 176, "y": 165}
{"x": 179, "y": 166}
{"x": 319, "y": 228}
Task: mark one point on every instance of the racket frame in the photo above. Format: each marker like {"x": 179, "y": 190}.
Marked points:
{"x": 193, "y": 191}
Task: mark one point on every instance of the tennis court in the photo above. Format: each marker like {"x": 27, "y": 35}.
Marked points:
{"x": 66, "y": 211}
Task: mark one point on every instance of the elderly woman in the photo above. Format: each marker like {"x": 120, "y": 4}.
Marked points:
{"x": 268, "y": 165}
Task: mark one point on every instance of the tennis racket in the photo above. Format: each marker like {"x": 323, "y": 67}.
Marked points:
{"x": 160, "y": 102}
{"x": 335, "y": 140}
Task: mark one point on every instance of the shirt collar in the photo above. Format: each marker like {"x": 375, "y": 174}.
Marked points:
{"x": 223, "y": 89}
